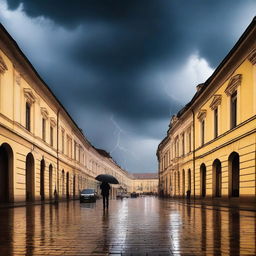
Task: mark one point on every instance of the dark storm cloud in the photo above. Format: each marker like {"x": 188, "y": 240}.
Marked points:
{"x": 110, "y": 63}
{"x": 146, "y": 30}
{"x": 121, "y": 40}
{"x": 125, "y": 99}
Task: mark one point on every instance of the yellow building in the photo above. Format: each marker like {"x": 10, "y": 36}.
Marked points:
{"x": 41, "y": 147}
{"x": 210, "y": 146}
{"x": 145, "y": 183}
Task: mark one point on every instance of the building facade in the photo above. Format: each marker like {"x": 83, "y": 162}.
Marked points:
{"x": 42, "y": 149}
{"x": 209, "y": 150}
{"x": 145, "y": 183}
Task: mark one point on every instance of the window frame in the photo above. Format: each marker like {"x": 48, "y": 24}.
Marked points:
{"x": 28, "y": 116}
{"x": 63, "y": 141}
{"x": 189, "y": 141}
{"x": 44, "y": 129}
{"x": 51, "y": 135}
{"x": 202, "y": 132}
{"x": 233, "y": 110}
{"x": 216, "y": 122}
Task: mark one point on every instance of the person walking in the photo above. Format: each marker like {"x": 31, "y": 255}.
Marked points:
{"x": 105, "y": 193}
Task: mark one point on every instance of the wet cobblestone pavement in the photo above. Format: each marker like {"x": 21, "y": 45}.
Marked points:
{"x": 141, "y": 226}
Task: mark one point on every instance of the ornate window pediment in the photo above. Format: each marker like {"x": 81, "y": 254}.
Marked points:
{"x": 215, "y": 101}
{"x": 252, "y": 57}
{"x": 3, "y": 66}
{"x": 234, "y": 82}
{"x": 201, "y": 114}
{"x": 29, "y": 95}
{"x": 53, "y": 122}
{"x": 44, "y": 113}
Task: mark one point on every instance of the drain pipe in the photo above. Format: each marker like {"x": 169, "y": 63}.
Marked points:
{"x": 194, "y": 163}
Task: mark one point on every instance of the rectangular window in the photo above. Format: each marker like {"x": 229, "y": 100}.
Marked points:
{"x": 68, "y": 145}
{"x": 202, "y": 131}
{"x": 71, "y": 148}
{"x": 233, "y": 110}
{"x": 177, "y": 148}
{"x": 215, "y": 122}
{"x": 51, "y": 136}
{"x": 28, "y": 116}
{"x": 183, "y": 145}
{"x": 43, "y": 129}
{"x": 75, "y": 150}
{"x": 62, "y": 139}
{"x": 189, "y": 141}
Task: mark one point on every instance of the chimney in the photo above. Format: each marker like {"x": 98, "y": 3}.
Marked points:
{"x": 199, "y": 87}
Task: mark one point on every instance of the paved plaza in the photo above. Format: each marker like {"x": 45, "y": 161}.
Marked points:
{"x": 140, "y": 226}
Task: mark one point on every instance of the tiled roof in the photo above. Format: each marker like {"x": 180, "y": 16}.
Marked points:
{"x": 145, "y": 176}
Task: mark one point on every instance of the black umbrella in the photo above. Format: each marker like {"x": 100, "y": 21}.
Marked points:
{"x": 107, "y": 178}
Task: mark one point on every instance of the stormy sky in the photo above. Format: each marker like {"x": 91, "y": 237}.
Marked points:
{"x": 122, "y": 68}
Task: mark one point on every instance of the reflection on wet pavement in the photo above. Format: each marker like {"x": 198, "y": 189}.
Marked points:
{"x": 141, "y": 226}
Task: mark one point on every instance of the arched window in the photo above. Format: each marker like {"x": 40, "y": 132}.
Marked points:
{"x": 216, "y": 171}
{"x": 234, "y": 174}
{"x": 203, "y": 179}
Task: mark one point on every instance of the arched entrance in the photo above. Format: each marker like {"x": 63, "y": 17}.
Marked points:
{"x": 175, "y": 184}
{"x": 183, "y": 182}
{"x": 189, "y": 180}
{"x": 62, "y": 182}
{"x": 6, "y": 173}
{"x": 42, "y": 168}
{"x": 216, "y": 168}
{"x": 50, "y": 181}
{"x": 30, "y": 177}
{"x": 171, "y": 185}
{"x": 74, "y": 186}
{"x": 178, "y": 182}
{"x": 234, "y": 174}
{"x": 67, "y": 185}
{"x": 58, "y": 182}
{"x": 203, "y": 179}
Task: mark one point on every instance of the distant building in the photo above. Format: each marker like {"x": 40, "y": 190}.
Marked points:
{"x": 144, "y": 183}
{"x": 210, "y": 145}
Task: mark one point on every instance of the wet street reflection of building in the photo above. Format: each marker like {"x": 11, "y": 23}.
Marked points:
{"x": 140, "y": 226}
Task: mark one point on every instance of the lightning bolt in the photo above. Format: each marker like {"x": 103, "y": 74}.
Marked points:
{"x": 119, "y": 132}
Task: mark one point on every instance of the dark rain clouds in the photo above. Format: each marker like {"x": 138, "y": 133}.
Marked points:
{"x": 107, "y": 71}
{"x": 143, "y": 32}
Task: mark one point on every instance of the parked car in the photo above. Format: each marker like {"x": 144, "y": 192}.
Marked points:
{"x": 122, "y": 195}
{"x": 88, "y": 195}
{"x": 126, "y": 195}
{"x": 134, "y": 195}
